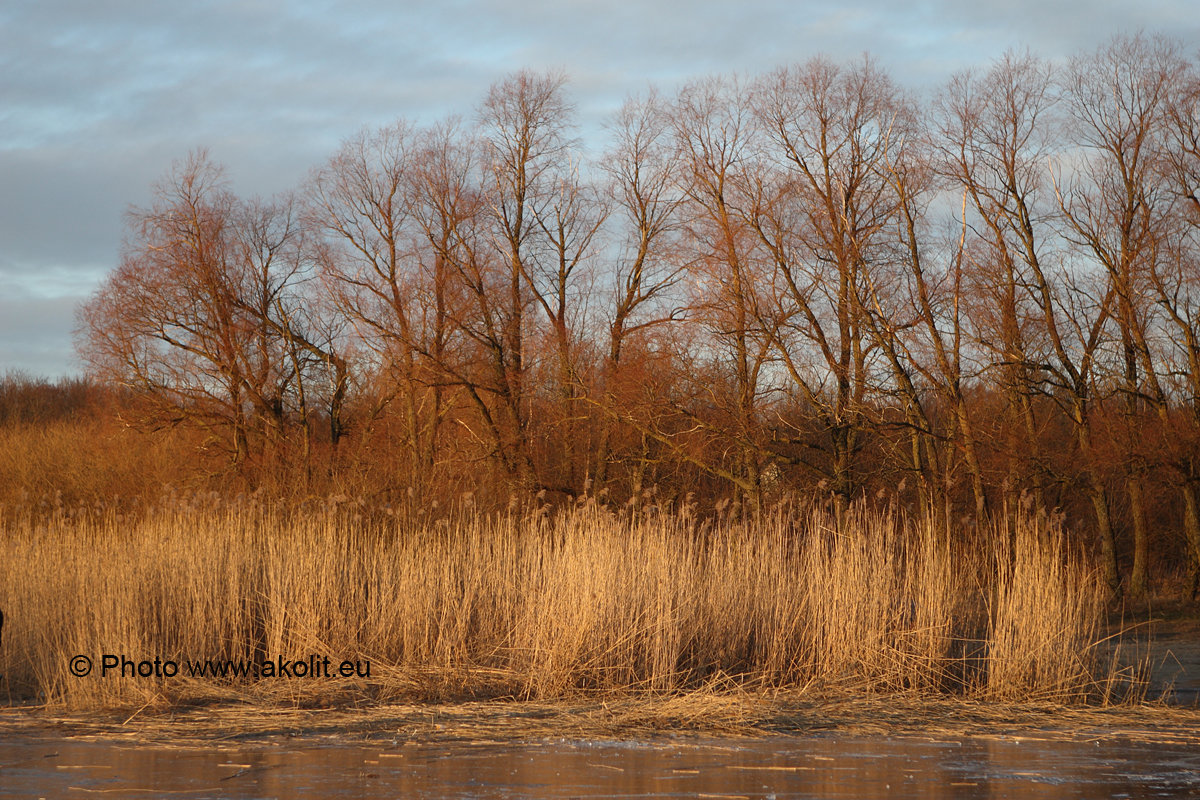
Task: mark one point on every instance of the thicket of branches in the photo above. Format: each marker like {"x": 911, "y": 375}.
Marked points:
{"x": 987, "y": 300}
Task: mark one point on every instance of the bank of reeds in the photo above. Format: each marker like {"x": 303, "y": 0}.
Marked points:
{"x": 542, "y": 605}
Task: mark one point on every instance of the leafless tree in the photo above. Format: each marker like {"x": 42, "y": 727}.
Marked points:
{"x": 642, "y": 168}
{"x": 1116, "y": 205}
{"x": 995, "y": 134}
{"x": 829, "y": 130}
{"x": 524, "y": 124}
{"x": 728, "y": 277}
{"x": 1176, "y": 280}
{"x": 202, "y": 318}
{"x": 364, "y": 201}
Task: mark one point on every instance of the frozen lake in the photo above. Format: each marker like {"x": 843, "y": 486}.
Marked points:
{"x": 777, "y": 767}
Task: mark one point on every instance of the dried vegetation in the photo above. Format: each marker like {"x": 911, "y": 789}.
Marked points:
{"x": 548, "y": 606}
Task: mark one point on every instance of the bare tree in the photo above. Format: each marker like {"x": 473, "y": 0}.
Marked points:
{"x": 558, "y": 275}
{"x": 363, "y": 200}
{"x": 1176, "y": 280}
{"x": 829, "y": 129}
{"x": 524, "y": 123}
{"x": 728, "y": 276}
{"x": 921, "y": 336}
{"x": 199, "y": 319}
{"x": 994, "y": 135}
{"x": 1117, "y": 207}
{"x": 642, "y": 171}
{"x": 295, "y": 360}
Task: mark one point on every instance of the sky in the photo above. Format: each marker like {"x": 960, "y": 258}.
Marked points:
{"x": 97, "y": 99}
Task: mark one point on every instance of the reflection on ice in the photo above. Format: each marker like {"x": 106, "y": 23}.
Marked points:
{"x": 779, "y": 767}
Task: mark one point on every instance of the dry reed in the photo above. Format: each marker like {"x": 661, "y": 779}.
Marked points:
{"x": 540, "y": 606}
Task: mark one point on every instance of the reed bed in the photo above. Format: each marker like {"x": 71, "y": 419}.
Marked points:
{"x": 542, "y": 606}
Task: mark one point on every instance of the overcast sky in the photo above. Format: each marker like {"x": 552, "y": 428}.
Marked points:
{"x": 98, "y": 97}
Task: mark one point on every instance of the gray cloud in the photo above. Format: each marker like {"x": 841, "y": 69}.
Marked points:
{"x": 99, "y": 98}
{"x": 37, "y": 335}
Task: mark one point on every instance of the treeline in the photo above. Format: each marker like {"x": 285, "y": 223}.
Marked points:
{"x": 979, "y": 302}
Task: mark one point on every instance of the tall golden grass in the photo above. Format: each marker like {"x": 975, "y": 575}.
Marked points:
{"x": 543, "y": 605}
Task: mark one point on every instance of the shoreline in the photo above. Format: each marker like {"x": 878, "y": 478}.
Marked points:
{"x": 671, "y": 718}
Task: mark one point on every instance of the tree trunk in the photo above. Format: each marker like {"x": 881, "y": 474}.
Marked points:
{"x": 1108, "y": 547}
{"x": 1138, "y": 576}
{"x": 1191, "y": 526}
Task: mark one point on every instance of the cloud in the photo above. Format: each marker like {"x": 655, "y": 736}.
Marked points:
{"x": 99, "y": 98}
{"x": 36, "y": 336}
